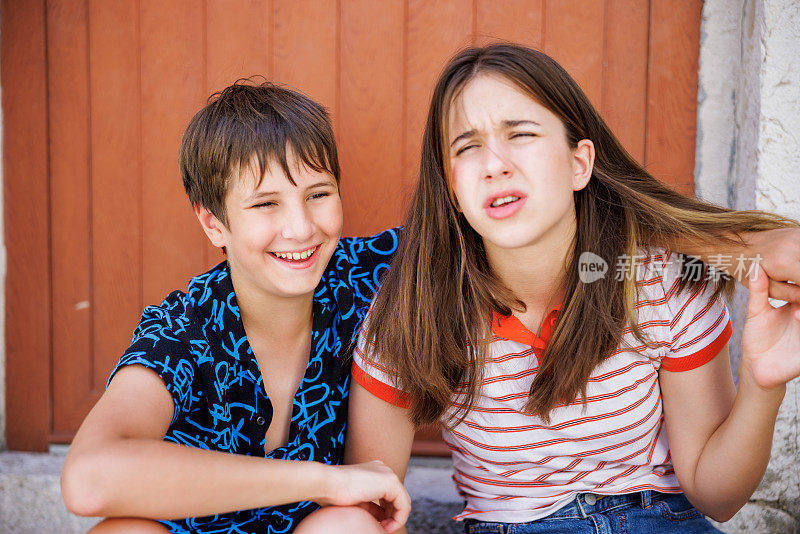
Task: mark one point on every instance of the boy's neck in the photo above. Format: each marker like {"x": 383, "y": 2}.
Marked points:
{"x": 279, "y": 321}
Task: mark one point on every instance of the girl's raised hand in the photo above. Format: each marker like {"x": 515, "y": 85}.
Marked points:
{"x": 771, "y": 337}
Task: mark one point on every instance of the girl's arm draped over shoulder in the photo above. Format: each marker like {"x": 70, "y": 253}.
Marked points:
{"x": 119, "y": 465}
{"x": 720, "y": 438}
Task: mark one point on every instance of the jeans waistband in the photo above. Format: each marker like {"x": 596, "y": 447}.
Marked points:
{"x": 586, "y": 504}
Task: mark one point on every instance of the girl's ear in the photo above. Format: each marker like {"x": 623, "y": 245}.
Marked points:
{"x": 582, "y": 163}
{"x": 212, "y": 226}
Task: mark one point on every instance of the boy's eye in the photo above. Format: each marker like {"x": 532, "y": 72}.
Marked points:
{"x": 321, "y": 194}
{"x": 264, "y": 204}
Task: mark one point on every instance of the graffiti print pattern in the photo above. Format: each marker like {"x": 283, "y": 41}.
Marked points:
{"x": 196, "y": 343}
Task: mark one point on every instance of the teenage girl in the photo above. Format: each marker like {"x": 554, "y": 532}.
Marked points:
{"x": 569, "y": 404}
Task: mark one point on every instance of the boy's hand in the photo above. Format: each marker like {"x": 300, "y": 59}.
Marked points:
{"x": 780, "y": 258}
{"x": 373, "y": 486}
{"x": 771, "y": 338}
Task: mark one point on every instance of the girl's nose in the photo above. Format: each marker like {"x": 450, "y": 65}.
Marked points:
{"x": 496, "y": 163}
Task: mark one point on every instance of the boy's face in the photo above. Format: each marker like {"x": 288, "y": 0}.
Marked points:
{"x": 279, "y": 236}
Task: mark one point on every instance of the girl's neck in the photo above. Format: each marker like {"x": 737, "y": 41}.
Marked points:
{"x": 536, "y": 273}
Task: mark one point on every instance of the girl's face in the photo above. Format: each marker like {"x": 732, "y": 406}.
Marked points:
{"x": 512, "y": 169}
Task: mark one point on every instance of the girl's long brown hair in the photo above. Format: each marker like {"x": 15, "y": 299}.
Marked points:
{"x": 430, "y": 321}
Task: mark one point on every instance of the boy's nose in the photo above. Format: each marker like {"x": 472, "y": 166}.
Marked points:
{"x": 298, "y": 225}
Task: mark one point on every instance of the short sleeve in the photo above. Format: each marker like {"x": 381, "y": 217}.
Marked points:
{"x": 373, "y": 376}
{"x": 156, "y": 346}
{"x": 699, "y": 323}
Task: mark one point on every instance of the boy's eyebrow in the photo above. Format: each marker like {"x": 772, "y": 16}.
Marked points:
{"x": 505, "y": 124}
{"x": 322, "y": 184}
{"x": 262, "y": 194}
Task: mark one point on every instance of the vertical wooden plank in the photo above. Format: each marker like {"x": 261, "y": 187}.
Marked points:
{"x": 26, "y": 221}
{"x": 237, "y": 41}
{"x": 624, "y": 104}
{"x": 574, "y": 37}
{"x": 116, "y": 181}
{"x": 237, "y": 46}
{"x": 672, "y": 92}
{"x": 436, "y": 30}
{"x": 172, "y": 82}
{"x": 71, "y": 208}
{"x": 304, "y": 48}
{"x": 371, "y": 114}
{"x": 518, "y": 21}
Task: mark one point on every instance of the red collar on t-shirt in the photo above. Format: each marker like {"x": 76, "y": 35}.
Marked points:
{"x": 509, "y": 327}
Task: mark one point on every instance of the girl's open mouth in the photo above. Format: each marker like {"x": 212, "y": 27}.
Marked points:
{"x": 500, "y": 207}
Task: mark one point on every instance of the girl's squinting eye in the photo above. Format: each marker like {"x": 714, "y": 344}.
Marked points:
{"x": 464, "y": 149}
{"x": 264, "y": 204}
{"x": 522, "y": 134}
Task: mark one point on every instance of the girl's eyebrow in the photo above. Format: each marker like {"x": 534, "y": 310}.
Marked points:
{"x": 505, "y": 124}
{"x": 464, "y": 135}
{"x": 512, "y": 124}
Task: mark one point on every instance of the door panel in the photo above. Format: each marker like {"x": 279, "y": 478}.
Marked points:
{"x": 97, "y": 94}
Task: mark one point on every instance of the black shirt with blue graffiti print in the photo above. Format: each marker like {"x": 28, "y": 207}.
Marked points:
{"x": 196, "y": 343}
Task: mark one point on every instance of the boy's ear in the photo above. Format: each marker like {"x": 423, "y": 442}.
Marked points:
{"x": 211, "y": 226}
{"x": 583, "y": 164}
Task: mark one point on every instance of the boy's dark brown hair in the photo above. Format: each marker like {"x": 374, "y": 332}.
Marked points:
{"x": 430, "y": 321}
{"x": 247, "y": 120}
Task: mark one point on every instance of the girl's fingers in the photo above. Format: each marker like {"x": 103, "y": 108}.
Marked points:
{"x": 784, "y": 291}
{"x": 759, "y": 292}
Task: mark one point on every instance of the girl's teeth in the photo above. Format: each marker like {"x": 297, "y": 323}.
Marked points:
{"x": 504, "y": 200}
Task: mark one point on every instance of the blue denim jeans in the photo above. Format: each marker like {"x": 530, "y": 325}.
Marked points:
{"x": 647, "y": 512}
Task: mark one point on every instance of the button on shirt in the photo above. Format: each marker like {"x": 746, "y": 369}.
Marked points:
{"x": 196, "y": 343}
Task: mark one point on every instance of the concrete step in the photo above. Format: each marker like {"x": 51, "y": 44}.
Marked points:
{"x": 30, "y": 500}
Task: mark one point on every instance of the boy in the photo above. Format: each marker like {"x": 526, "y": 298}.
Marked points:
{"x": 216, "y": 411}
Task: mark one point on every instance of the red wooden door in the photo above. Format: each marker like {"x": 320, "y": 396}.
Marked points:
{"x": 96, "y": 95}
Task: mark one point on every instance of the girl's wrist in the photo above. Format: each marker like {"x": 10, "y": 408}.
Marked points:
{"x": 750, "y": 387}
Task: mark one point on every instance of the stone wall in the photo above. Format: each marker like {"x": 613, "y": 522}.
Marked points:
{"x": 748, "y": 156}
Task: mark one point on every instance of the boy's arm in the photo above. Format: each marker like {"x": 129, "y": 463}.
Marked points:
{"x": 778, "y": 250}
{"x": 119, "y": 465}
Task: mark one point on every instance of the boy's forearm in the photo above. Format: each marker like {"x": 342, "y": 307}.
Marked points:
{"x": 162, "y": 480}
{"x": 735, "y": 457}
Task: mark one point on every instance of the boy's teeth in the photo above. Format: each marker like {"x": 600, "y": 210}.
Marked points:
{"x": 504, "y": 200}
{"x": 295, "y": 255}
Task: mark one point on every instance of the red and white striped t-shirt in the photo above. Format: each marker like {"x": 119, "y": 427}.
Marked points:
{"x": 511, "y": 467}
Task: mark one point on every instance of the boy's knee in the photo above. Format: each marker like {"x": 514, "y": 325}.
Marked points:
{"x": 128, "y": 525}
{"x": 339, "y": 520}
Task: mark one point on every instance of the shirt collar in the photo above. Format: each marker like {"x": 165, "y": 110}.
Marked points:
{"x": 511, "y": 328}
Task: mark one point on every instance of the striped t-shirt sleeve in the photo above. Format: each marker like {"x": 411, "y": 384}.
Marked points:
{"x": 699, "y": 326}
{"x": 373, "y": 376}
